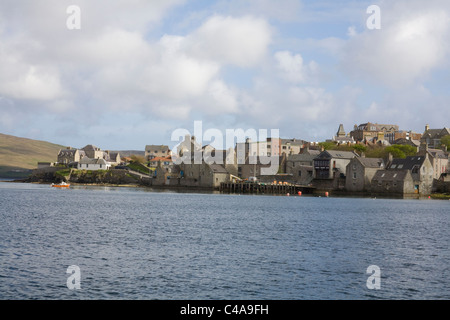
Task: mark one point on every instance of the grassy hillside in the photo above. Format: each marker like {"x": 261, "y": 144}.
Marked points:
{"x": 20, "y": 154}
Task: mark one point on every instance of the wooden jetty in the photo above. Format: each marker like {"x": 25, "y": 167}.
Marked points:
{"x": 264, "y": 188}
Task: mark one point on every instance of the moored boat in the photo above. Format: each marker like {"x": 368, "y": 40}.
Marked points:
{"x": 61, "y": 185}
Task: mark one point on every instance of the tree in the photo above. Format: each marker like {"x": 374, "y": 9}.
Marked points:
{"x": 401, "y": 151}
{"x": 360, "y": 148}
{"x": 327, "y": 145}
{"x": 137, "y": 158}
{"x": 446, "y": 141}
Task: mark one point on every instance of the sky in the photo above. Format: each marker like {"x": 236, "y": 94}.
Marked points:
{"x": 125, "y": 74}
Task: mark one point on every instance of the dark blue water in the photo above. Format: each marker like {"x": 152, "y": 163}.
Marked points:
{"x": 135, "y": 244}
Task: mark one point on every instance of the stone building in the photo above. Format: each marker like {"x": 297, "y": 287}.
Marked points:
{"x": 389, "y": 180}
{"x": 153, "y": 151}
{"x": 432, "y": 137}
{"x": 301, "y": 166}
{"x": 93, "y": 164}
{"x": 393, "y": 182}
{"x": 341, "y": 137}
{"x": 370, "y": 131}
{"x": 70, "y": 155}
{"x": 439, "y": 160}
{"x": 360, "y": 172}
{"x": 330, "y": 164}
{"x": 392, "y": 137}
{"x": 94, "y": 152}
{"x": 203, "y": 175}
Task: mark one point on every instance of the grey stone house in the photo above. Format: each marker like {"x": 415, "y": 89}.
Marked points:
{"x": 393, "y": 182}
{"x": 301, "y": 166}
{"x": 330, "y": 164}
{"x": 153, "y": 151}
{"x": 70, "y": 155}
{"x": 390, "y": 180}
{"x": 432, "y": 137}
{"x": 330, "y": 168}
{"x": 359, "y": 173}
{"x": 203, "y": 175}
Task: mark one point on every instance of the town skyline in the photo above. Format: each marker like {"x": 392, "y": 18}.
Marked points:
{"x": 122, "y": 76}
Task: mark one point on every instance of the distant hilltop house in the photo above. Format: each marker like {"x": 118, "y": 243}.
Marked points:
{"x": 341, "y": 137}
{"x": 403, "y": 137}
{"x": 90, "y": 157}
{"x": 154, "y": 151}
{"x": 432, "y": 137}
{"x": 372, "y": 131}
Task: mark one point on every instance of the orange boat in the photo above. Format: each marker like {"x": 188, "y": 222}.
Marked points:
{"x": 61, "y": 185}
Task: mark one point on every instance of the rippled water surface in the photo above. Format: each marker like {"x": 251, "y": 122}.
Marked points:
{"x": 136, "y": 244}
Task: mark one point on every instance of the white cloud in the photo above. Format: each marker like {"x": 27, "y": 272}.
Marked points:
{"x": 412, "y": 42}
{"x": 292, "y": 67}
{"x": 239, "y": 41}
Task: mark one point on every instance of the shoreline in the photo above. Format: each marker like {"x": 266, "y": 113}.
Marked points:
{"x": 183, "y": 189}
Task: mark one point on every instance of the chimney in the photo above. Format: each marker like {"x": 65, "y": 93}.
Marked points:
{"x": 427, "y": 127}
{"x": 390, "y": 158}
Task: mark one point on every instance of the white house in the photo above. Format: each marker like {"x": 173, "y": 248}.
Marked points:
{"x": 93, "y": 164}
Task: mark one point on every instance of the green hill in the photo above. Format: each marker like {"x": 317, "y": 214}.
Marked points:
{"x": 19, "y": 155}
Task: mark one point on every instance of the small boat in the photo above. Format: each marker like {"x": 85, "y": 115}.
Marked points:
{"x": 61, "y": 185}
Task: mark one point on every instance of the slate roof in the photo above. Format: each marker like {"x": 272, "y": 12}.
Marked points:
{"x": 156, "y": 148}
{"x": 87, "y": 160}
{"x": 390, "y": 175}
{"x": 408, "y": 163}
{"x": 217, "y": 168}
{"x": 371, "y": 162}
{"x": 336, "y": 154}
{"x": 436, "y": 133}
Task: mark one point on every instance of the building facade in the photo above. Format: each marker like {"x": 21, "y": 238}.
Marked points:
{"x": 370, "y": 131}
{"x": 330, "y": 164}
{"x": 360, "y": 172}
{"x": 154, "y": 151}
{"x": 432, "y": 137}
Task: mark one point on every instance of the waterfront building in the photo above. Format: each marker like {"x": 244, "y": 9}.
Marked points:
{"x": 360, "y": 171}
{"x": 301, "y": 166}
{"x": 410, "y": 176}
{"x": 93, "y": 164}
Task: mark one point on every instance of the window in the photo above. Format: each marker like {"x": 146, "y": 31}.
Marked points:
{"x": 354, "y": 175}
{"x": 299, "y": 173}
